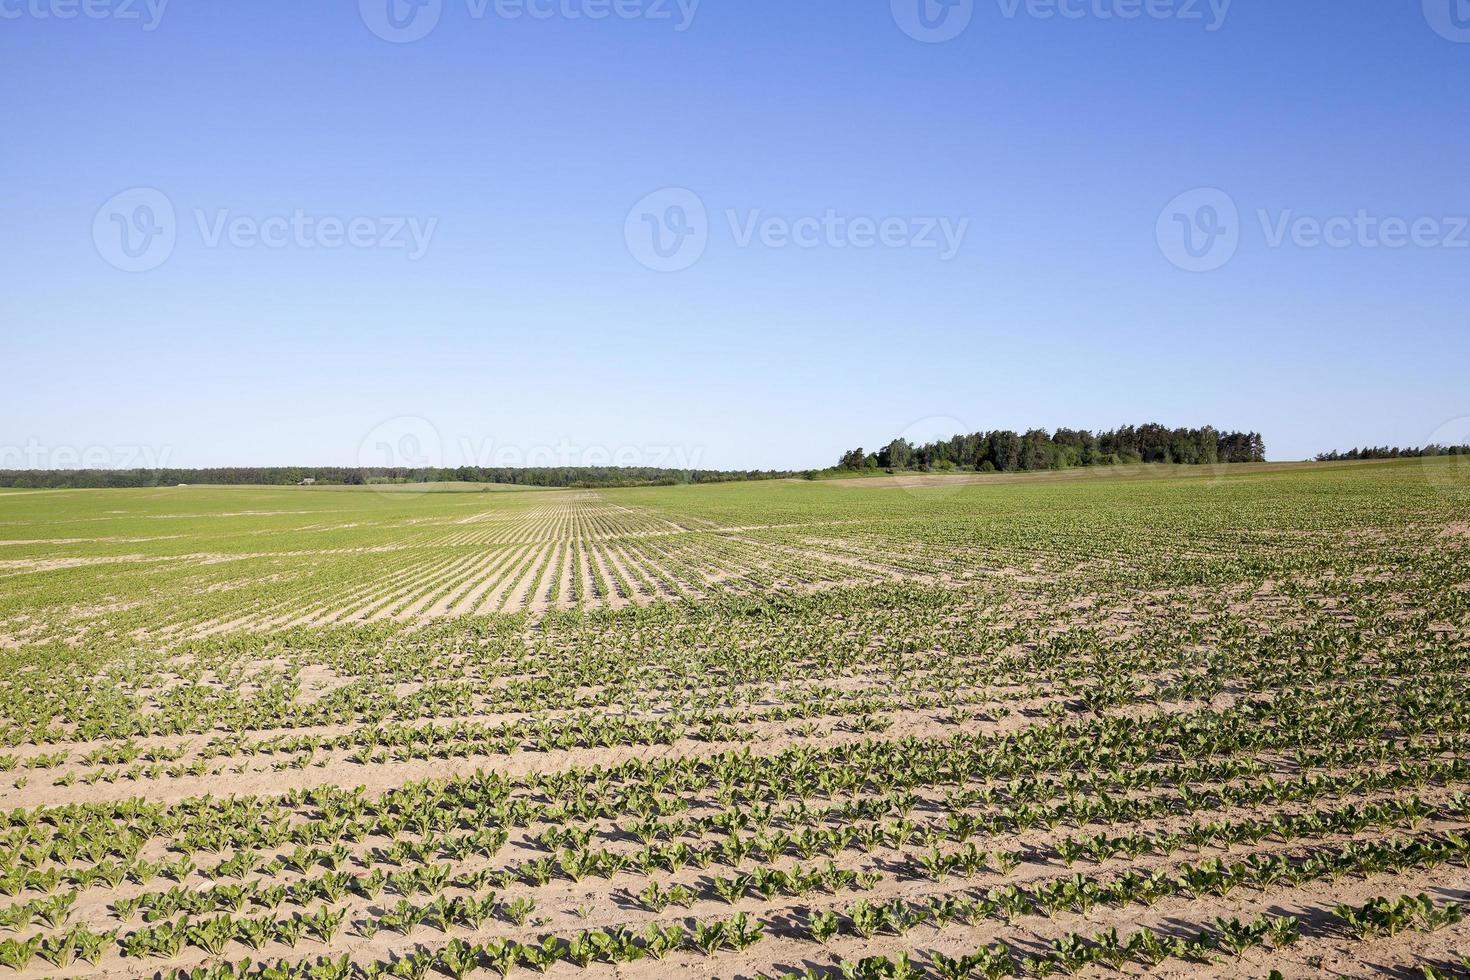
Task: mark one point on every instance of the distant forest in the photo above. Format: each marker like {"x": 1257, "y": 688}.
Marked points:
{"x": 998, "y": 451}
{"x": 1392, "y": 452}
{"x": 580, "y": 476}
{"x": 1007, "y": 452}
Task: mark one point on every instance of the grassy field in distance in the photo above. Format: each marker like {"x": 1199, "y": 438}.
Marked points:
{"x": 1187, "y": 720}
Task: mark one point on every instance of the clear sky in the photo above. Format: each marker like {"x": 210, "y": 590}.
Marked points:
{"x": 286, "y": 232}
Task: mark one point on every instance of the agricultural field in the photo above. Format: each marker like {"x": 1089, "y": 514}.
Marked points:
{"x": 1189, "y": 721}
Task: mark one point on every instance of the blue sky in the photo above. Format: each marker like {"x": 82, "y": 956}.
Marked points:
{"x": 1072, "y": 152}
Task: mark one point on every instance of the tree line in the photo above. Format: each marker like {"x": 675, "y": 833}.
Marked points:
{"x": 1006, "y": 451}
{"x": 590, "y": 477}
{"x": 996, "y": 451}
{"x": 1392, "y": 452}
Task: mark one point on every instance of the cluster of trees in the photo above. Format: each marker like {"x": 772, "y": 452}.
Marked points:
{"x": 1006, "y": 451}
{"x": 1392, "y": 452}
{"x": 557, "y": 476}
